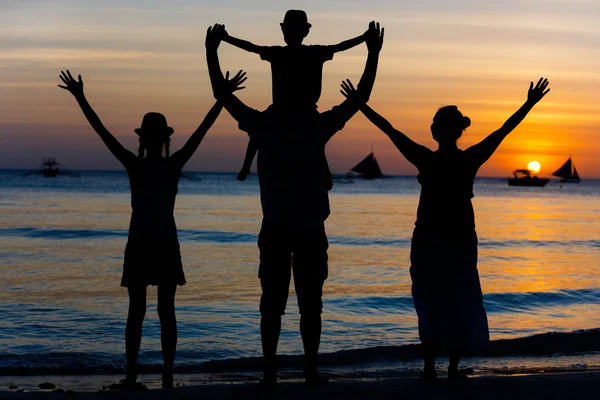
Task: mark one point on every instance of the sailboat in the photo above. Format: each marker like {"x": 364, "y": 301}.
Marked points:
{"x": 50, "y": 169}
{"x": 568, "y": 172}
{"x": 368, "y": 168}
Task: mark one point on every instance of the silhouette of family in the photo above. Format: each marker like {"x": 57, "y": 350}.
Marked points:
{"x": 294, "y": 177}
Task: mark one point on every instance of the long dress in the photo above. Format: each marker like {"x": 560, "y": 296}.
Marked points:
{"x": 152, "y": 255}
{"x": 446, "y": 289}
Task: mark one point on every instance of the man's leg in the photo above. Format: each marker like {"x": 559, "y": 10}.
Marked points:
{"x": 275, "y": 275}
{"x": 310, "y": 272}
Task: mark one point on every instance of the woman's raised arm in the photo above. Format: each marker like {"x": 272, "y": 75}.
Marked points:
{"x": 415, "y": 153}
{"x": 483, "y": 150}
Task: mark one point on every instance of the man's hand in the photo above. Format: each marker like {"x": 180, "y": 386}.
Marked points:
{"x": 72, "y": 85}
{"x": 374, "y": 37}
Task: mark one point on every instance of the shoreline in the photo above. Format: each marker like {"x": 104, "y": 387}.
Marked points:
{"x": 346, "y": 385}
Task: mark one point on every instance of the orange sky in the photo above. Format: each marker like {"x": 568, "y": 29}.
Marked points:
{"x": 140, "y": 56}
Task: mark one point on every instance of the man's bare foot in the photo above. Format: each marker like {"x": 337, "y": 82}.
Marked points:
{"x": 428, "y": 375}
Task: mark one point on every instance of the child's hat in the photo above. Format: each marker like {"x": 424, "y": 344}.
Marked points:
{"x": 295, "y": 18}
{"x": 154, "y": 122}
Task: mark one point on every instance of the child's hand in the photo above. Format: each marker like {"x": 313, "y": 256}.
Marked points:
{"x": 348, "y": 89}
{"x": 536, "y": 93}
{"x": 222, "y": 32}
{"x": 374, "y": 37}
{"x": 72, "y": 85}
{"x": 243, "y": 175}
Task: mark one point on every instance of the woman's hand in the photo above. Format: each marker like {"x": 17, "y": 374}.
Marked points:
{"x": 535, "y": 94}
{"x": 234, "y": 84}
{"x": 72, "y": 85}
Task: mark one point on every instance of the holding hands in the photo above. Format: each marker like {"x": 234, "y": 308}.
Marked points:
{"x": 72, "y": 85}
{"x": 374, "y": 37}
{"x": 535, "y": 94}
{"x": 214, "y": 36}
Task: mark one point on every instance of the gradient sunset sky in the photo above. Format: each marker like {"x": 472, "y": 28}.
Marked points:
{"x": 140, "y": 56}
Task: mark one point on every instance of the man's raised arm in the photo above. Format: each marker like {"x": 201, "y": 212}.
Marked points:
{"x": 232, "y": 104}
{"x": 345, "y": 111}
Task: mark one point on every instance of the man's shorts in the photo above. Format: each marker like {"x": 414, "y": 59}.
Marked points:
{"x": 280, "y": 249}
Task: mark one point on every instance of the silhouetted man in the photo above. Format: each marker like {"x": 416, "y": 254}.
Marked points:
{"x": 295, "y": 203}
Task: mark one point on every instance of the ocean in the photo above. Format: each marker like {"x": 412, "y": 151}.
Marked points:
{"x": 62, "y": 242}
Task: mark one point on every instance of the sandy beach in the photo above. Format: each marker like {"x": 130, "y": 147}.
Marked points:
{"x": 583, "y": 385}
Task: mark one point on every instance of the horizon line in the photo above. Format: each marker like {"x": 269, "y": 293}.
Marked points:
{"x": 235, "y": 172}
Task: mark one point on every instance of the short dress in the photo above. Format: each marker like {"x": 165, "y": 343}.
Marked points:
{"x": 446, "y": 289}
{"x": 152, "y": 254}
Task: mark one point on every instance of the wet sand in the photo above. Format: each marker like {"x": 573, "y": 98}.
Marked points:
{"x": 580, "y": 385}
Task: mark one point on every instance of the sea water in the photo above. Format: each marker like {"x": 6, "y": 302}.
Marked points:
{"x": 62, "y": 242}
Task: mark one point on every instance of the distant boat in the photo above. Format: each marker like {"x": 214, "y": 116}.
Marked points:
{"x": 368, "y": 168}
{"x": 50, "y": 168}
{"x": 568, "y": 173}
{"x": 523, "y": 177}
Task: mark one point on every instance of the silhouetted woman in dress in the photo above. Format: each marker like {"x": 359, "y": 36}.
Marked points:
{"x": 152, "y": 254}
{"x": 446, "y": 289}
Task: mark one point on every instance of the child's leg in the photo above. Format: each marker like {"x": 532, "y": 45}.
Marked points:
{"x": 250, "y": 154}
{"x": 133, "y": 331}
{"x": 168, "y": 330}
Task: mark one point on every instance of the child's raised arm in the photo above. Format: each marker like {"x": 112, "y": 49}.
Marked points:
{"x": 75, "y": 87}
{"x": 347, "y": 44}
{"x": 181, "y": 157}
{"x": 242, "y": 44}
{"x": 483, "y": 150}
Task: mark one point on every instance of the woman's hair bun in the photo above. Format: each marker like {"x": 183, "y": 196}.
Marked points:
{"x": 466, "y": 122}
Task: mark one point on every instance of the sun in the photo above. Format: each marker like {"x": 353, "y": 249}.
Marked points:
{"x": 534, "y": 167}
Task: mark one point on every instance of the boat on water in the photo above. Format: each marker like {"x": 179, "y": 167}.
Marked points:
{"x": 568, "y": 172}
{"x": 368, "y": 168}
{"x": 50, "y": 169}
{"x": 524, "y": 177}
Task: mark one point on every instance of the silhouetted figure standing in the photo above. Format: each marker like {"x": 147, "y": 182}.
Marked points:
{"x": 152, "y": 254}
{"x": 294, "y": 200}
{"x": 446, "y": 289}
{"x": 297, "y": 70}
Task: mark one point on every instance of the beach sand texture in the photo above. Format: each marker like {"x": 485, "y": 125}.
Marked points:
{"x": 582, "y": 385}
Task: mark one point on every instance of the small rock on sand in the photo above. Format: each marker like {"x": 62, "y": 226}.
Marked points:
{"x": 47, "y": 385}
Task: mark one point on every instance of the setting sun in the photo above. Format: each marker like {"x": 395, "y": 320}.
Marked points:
{"x": 534, "y": 166}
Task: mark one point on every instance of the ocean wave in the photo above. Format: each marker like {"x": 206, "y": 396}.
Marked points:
{"x": 198, "y": 235}
{"x": 546, "y": 344}
{"x": 513, "y": 302}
